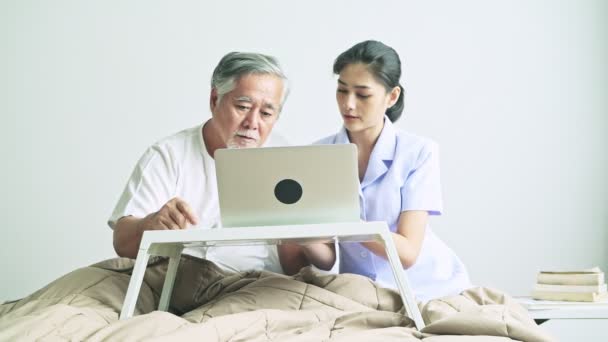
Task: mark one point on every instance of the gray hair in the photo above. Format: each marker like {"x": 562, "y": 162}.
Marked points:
{"x": 236, "y": 64}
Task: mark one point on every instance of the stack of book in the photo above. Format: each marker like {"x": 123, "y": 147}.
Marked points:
{"x": 577, "y": 286}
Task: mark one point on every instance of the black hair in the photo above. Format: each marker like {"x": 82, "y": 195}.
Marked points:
{"x": 383, "y": 62}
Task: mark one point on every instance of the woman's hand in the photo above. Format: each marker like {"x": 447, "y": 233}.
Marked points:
{"x": 408, "y": 238}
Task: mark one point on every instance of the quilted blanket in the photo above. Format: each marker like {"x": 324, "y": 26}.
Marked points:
{"x": 209, "y": 304}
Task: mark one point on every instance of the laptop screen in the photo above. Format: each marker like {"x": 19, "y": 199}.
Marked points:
{"x": 288, "y": 185}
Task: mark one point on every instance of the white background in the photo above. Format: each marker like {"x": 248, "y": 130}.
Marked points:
{"x": 514, "y": 92}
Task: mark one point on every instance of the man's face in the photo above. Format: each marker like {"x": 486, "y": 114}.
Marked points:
{"x": 245, "y": 116}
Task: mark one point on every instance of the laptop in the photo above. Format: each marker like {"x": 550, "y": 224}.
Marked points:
{"x": 288, "y": 185}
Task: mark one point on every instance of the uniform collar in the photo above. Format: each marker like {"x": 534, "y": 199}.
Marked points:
{"x": 382, "y": 155}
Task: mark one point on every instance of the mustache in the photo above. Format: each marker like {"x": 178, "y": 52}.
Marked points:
{"x": 248, "y": 133}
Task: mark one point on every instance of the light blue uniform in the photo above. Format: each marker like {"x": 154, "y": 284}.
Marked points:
{"x": 403, "y": 174}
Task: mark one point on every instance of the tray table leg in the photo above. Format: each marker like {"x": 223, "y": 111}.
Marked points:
{"x": 165, "y": 296}
{"x": 137, "y": 278}
{"x": 407, "y": 296}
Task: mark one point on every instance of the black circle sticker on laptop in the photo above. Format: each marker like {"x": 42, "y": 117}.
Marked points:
{"x": 288, "y": 191}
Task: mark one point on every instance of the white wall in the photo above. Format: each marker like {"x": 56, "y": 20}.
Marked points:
{"x": 515, "y": 92}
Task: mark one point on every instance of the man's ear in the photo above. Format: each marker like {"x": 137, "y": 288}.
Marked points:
{"x": 394, "y": 96}
{"x": 213, "y": 99}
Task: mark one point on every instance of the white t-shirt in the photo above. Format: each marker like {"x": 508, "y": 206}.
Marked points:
{"x": 179, "y": 166}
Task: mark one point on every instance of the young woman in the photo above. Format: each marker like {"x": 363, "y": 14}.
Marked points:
{"x": 399, "y": 175}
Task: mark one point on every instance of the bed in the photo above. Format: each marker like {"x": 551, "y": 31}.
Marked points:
{"x": 211, "y": 304}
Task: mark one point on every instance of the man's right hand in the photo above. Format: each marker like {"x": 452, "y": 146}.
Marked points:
{"x": 175, "y": 214}
{"x": 128, "y": 231}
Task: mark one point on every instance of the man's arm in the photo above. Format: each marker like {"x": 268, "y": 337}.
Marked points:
{"x": 293, "y": 256}
{"x": 128, "y": 231}
{"x": 127, "y": 236}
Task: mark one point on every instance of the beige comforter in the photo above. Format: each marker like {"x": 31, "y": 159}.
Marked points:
{"x": 209, "y": 304}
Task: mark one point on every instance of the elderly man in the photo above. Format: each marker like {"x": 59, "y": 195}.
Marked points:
{"x": 173, "y": 185}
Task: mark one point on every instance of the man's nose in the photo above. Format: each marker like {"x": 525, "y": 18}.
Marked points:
{"x": 252, "y": 119}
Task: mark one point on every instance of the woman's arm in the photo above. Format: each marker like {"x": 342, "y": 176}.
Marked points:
{"x": 293, "y": 256}
{"x": 408, "y": 238}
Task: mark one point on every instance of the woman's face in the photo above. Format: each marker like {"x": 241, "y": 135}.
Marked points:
{"x": 362, "y": 100}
